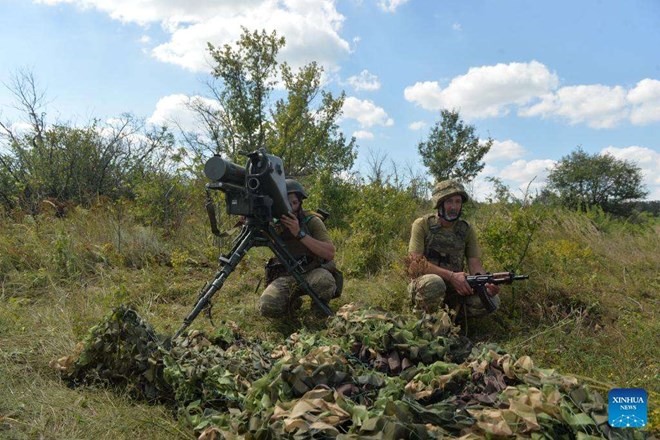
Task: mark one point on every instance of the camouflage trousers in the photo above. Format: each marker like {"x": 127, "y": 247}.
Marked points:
{"x": 283, "y": 295}
{"x": 429, "y": 293}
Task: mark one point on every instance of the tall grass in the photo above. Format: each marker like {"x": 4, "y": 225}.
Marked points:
{"x": 590, "y": 306}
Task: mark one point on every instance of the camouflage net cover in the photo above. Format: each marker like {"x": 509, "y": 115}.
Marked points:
{"x": 369, "y": 375}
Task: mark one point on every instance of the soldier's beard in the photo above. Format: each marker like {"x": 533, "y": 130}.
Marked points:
{"x": 451, "y": 216}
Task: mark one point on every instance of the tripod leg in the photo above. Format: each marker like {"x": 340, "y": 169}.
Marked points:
{"x": 293, "y": 267}
{"x": 243, "y": 243}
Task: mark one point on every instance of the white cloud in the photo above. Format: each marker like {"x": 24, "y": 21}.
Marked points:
{"x": 480, "y": 188}
{"x": 457, "y": 27}
{"x": 417, "y": 125}
{"x": 601, "y": 106}
{"x": 504, "y": 150}
{"x": 114, "y": 126}
{"x": 486, "y": 91}
{"x": 145, "y": 39}
{"x": 311, "y": 27}
{"x": 492, "y": 91}
{"x": 426, "y": 94}
{"x": 20, "y": 128}
{"x": 366, "y": 112}
{"x": 173, "y": 109}
{"x": 648, "y": 161}
{"x": 363, "y": 134}
{"x": 522, "y": 171}
{"x": 364, "y": 81}
{"x": 391, "y": 5}
{"x": 645, "y": 101}
{"x": 596, "y": 105}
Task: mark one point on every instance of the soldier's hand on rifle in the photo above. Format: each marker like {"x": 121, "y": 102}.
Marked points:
{"x": 459, "y": 282}
{"x": 290, "y": 221}
{"x": 493, "y": 289}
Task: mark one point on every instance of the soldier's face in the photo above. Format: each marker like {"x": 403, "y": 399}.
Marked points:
{"x": 294, "y": 202}
{"x": 453, "y": 206}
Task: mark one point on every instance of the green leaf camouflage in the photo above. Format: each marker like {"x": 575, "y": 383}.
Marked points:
{"x": 368, "y": 375}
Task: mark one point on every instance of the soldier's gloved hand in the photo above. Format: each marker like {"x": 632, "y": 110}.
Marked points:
{"x": 460, "y": 284}
{"x": 290, "y": 221}
{"x": 493, "y": 289}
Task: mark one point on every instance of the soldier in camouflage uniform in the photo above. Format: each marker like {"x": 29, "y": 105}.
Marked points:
{"x": 440, "y": 243}
{"x": 305, "y": 236}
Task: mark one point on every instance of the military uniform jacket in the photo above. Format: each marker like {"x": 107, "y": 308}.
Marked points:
{"x": 446, "y": 247}
{"x": 312, "y": 226}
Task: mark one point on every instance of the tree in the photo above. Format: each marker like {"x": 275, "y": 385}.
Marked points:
{"x": 248, "y": 75}
{"x": 582, "y": 180}
{"x": 301, "y": 127}
{"x": 308, "y": 139}
{"x": 78, "y": 164}
{"x": 452, "y": 150}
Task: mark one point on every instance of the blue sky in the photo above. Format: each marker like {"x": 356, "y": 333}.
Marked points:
{"x": 540, "y": 78}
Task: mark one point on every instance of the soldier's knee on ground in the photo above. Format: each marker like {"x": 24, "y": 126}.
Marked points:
{"x": 322, "y": 283}
{"x": 427, "y": 292}
{"x": 278, "y": 300}
{"x": 475, "y": 308}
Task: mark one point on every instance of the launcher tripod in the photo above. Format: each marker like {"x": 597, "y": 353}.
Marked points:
{"x": 255, "y": 192}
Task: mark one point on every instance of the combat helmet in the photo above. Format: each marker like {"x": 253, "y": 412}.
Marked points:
{"x": 293, "y": 186}
{"x": 447, "y": 188}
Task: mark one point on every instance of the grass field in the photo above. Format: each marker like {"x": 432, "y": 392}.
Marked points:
{"x": 590, "y": 308}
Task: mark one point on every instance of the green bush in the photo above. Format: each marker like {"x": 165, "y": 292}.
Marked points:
{"x": 333, "y": 194}
{"x": 379, "y": 224}
{"x": 508, "y": 231}
{"x": 165, "y": 201}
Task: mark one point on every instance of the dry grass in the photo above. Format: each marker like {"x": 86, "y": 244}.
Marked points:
{"x": 590, "y": 308}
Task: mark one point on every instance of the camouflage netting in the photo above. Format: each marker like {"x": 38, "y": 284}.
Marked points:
{"x": 369, "y": 375}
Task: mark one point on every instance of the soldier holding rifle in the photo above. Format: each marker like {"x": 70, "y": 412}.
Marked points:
{"x": 440, "y": 244}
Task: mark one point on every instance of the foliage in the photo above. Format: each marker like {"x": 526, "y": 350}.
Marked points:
{"x": 507, "y": 227}
{"x": 247, "y": 72}
{"x": 333, "y": 194}
{"x": 502, "y": 193}
{"x": 300, "y": 127}
{"x": 381, "y": 216}
{"x": 77, "y": 164}
{"x": 643, "y": 206}
{"x": 589, "y": 288}
{"x": 165, "y": 200}
{"x": 453, "y": 150}
{"x": 583, "y": 180}
{"x": 508, "y": 232}
{"x": 309, "y": 140}
{"x": 342, "y": 381}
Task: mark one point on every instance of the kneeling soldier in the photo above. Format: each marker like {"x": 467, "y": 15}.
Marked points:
{"x": 307, "y": 239}
{"x": 439, "y": 245}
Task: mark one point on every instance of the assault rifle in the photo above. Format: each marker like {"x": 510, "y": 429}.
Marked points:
{"x": 478, "y": 284}
{"x": 258, "y": 193}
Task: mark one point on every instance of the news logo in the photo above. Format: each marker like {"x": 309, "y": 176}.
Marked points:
{"x": 627, "y": 408}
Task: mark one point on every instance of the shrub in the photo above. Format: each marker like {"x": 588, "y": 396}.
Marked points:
{"x": 380, "y": 223}
{"x": 165, "y": 201}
